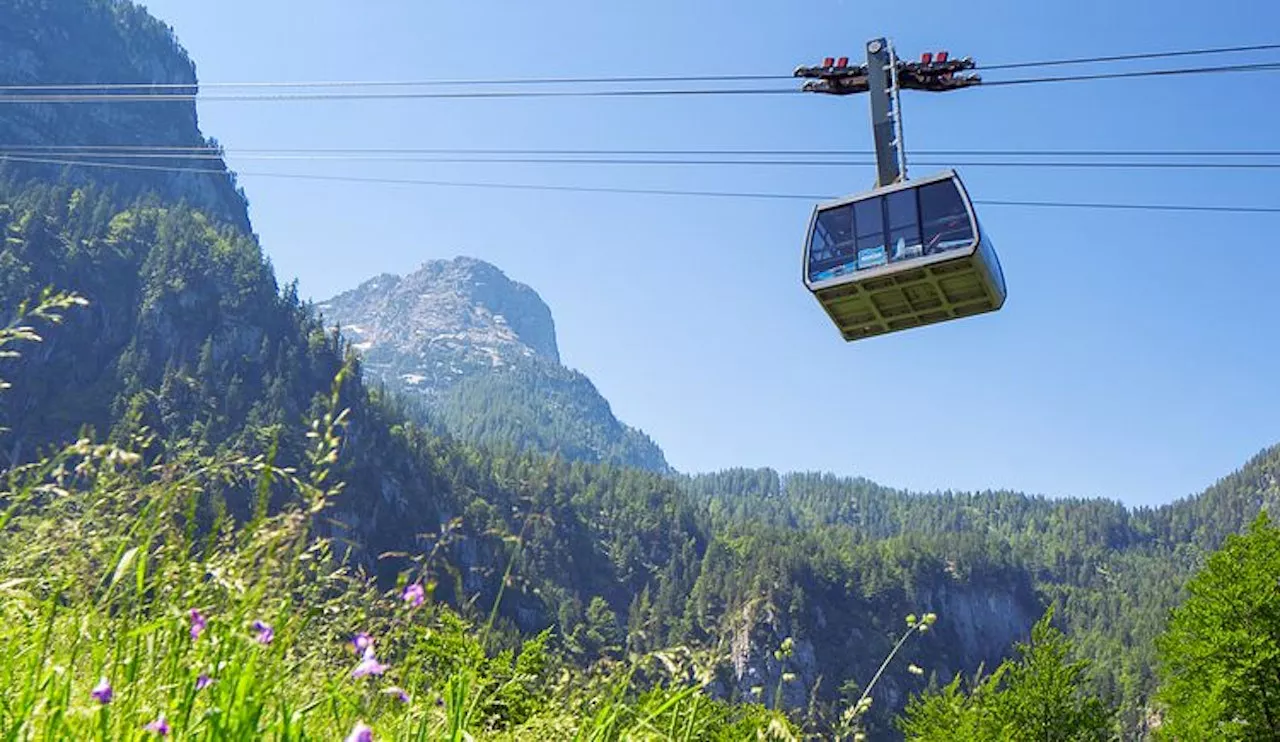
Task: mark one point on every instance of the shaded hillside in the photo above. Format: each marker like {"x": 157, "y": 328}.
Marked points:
{"x": 48, "y": 42}
{"x": 478, "y": 351}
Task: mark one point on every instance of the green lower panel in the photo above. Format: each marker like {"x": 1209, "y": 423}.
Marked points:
{"x": 912, "y": 298}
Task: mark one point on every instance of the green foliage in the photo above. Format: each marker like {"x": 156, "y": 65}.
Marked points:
{"x": 1039, "y": 696}
{"x": 1113, "y": 573}
{"x": 538, "y": 405}
{"x": 1220, "y": 658}
{"x": 101, "y": 567}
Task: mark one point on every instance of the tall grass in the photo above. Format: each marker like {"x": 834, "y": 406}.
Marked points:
{"x": 131, "y": 607}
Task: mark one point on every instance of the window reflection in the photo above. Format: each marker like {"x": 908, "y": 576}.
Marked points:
{"x": 831, "y": 251}
{"x": 904, "y": 225}
{"x": 899, "y": 226}
{"x": 944, "y": 217}
{"x": 869, "y": 221}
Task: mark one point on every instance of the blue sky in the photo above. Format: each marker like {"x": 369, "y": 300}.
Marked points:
{"x": 1135, "y": 357}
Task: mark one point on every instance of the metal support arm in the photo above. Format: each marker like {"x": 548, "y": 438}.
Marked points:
{"x": 880, "y": 78}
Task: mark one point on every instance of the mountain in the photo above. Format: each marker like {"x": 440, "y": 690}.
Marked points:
{"x": 479, "y": 350}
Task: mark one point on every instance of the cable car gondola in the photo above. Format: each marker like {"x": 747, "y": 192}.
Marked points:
{"x": 908, "y": 254}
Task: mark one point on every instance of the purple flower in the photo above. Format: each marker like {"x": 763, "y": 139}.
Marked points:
{"x": 414, "y": 594}
{"x": 265, "y": 632}
{"x": 398, "y": 693}
{"x": 204, "y": 681}
{"x": 159, "y": 726}
{"x": 369, "y": 665}
{"x": 197, "y": 624}
{"x": 360, "y": 733}
{"x": 102, "y": 691}
{"x": 362, "y": 641}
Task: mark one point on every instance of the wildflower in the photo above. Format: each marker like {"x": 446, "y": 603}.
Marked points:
{"x": 362, "y": 641}
{"x": 197, "y": 624}
{"x": 414, "y": 594}
{"x": 204, "y": 681}
{"x": 159, "y": 726}
{"x": 369, "y": 665}
{"x": 102, "y": 691}
{"x": 360, "y": 733}
{"x": 265, "y": 632}
{"x": 915, "y": 669}
{"x": 398, "y": 693}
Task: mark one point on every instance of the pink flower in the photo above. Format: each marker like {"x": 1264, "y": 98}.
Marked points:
{"x": 197, "y": 624}
{"x": 159, "y": 726}
{"x": 414, "y": 594}
{"x": 360, "y": 733}
{"x": 369, "y": 665}
{"x": 265, "y": 632}
{"x": 102, "y": 692}
{"x": 362, "y": 641}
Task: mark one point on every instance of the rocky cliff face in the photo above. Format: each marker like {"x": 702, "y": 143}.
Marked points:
{"x": 836, "y": 641}
{"x": 445, "y": 321}
{"x": 74, "y": 42}
{"x": 480, "y": 350}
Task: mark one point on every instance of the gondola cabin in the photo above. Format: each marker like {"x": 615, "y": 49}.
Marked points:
{"x": 902, "y": 256}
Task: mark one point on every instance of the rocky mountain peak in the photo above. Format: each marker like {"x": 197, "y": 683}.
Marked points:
{"x": 445, "y": 320}
{"x": 480, "y": 350}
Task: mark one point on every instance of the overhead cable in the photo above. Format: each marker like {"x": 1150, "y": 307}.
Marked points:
{"x": 218, "y": 150}
{"x": 653, "y": 161}
{"x": 1255, "y": 67}
{"x": 1130, "y": 57}
{"x": 582, "y": 80}
{"x": 637, "y": 191}
{"x": 109, "y": 97}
